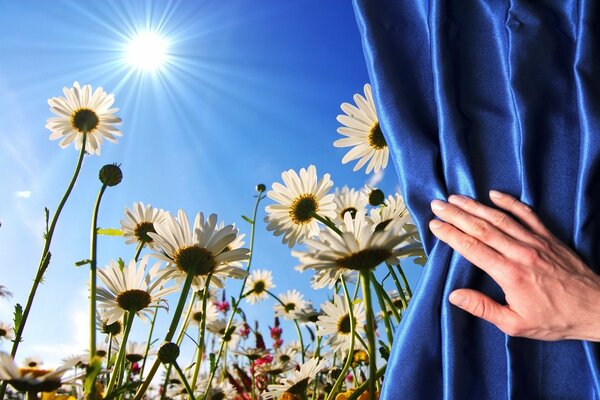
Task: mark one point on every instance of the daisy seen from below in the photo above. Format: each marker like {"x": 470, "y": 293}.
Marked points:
{"x": 83, "y": 111}
{"x": 359, "y": 248}
{"x": 138, "y": 222}
{"x": 348, "y": 201}
{"x": 220, "y": 391}
{"x": 132, "y": 289}
{"x": 363, "y": 134}
{"x": 196, "y": 317}
{"x": 335, "y": 323}
{"x": 6, "y": 331}
{"x": 217, "y": 327}
{"x": 393, "y": 208}
{"x": 299, "y": 199}
{"x": 135, "y": 351}
{"x": 31, "y": 379}
{"x": 259, "y": 283}
{"x": 292, "y": 301}
{"x": 294, "y": 387}
{"x": 110, "y": 329}
{"x": 201, "y": 250}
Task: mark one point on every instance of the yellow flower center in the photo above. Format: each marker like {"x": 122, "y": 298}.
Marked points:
{"x": 376, "y": 138}
{"x": 141, "y": 231}
{"x": 85, "y": 120}
{"x": 303, "y": 208}
{"x": 195, "y": 260}
{"x": 134, "y": 300}
{"x": 365, "y": 259}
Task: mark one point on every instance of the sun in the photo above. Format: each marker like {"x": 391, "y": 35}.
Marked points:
{"x": 146, "y": 50}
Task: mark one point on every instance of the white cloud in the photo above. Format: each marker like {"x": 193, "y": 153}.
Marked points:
{"x": 375, "y": 178}
{"x": 23, "y": 194}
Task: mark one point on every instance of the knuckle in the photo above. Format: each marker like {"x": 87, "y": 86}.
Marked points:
{"x": 480, "y": 309}
{"x": 499, "y": 219}
{"x": 511, "y": 327}
{"x": 469, "y": 244}
{"x": 513, "y": 275}
{"x": 531, "y": 255}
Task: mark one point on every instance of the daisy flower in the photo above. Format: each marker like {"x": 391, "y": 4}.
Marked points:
{"x": 134, "y": 352}
{"x": 132, "y": 289}
{"x": 295, "y": 387}
{"x": 31, "y": 379}
{"x": 6, "y": 331}
{"x": 348, "y": 200}
{"x": 358, "y": 248}
{"x": 219, "y": 391}
{"x": 285, "y": 356}
{"x": 114, "y": 328}
{"x": 336, "y": 322}
{"x": 363, "y": 134}
{"x": 298, "y": 200}
{"x": 218, "y": 327}
{"x": 80, "y": 111}
{"x": 200, "y": 251}
{"x": 259, "y": 282}
{"x": 32, "y": 362}
{"x": 138, "y": 222}
{"x": 393, "y": 209}
{"x": 212, "y": 313}
{"x": 293, "y": 301}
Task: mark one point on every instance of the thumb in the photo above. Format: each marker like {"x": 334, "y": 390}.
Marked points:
{"x": 481, "y": 306}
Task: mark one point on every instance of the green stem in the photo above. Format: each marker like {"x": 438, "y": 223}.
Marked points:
{"x": 317, "y": 355}
{"x": 298, "y": 331}
{"x": 382, "y": 305}
{"x": 236, "y": 303}
{"x": 398, "y": 285}
{"x": 138, "y": 251}
{"x": 327, "y": 222}
{"x": 45, "y": 259}
{"x": 117, "y": 372}
{"x": 184, "y": 380}
{"x": 365, "y": 385}
{"x": 200, "y": 353}
{"x": 148, "y": 342}
{"x": 169, "y": 336}
{"x": 385, "y": 298}
{"x": 348, "y": 362}
{"x": 365, "y": 280}
{"x": 404, "y": 280}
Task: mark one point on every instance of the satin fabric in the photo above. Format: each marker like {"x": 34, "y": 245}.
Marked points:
{"x": 479, "y": 95}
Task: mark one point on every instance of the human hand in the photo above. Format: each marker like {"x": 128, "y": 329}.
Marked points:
{"x": 551, "y": 294}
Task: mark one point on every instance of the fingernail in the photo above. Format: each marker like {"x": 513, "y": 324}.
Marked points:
{"x": 494, "y": 194}
{"x": 457, "y": 199}
{"x": 435, "y": 224}
{"x": 438, "y": 205}
{"x": 457, "y": 299}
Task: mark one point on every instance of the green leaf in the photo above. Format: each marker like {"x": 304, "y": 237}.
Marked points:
{"x": 121, "y": 263}
{"x": 18, "y": 316}
{"x": 248, "y": 220}
{"x": 109, "y": 232}
{"x": 92, "y": 372}
{"x": 83, "y": 262}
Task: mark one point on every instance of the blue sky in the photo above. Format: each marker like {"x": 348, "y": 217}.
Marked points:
{"x": 251, "y": 89}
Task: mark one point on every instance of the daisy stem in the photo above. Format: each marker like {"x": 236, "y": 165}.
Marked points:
{"x": 398, "y": 285}
{"x": 298, "y": 331}
{"x": 365, "y": 280}
{"x": 236, "y": 303}
{"x": 317, "y": 355}
{"x": 200, "y": 352}
{"x": 93, "y": 280}
{"x": 45, "y": 259}
{"x": 348, "y": 362}
{"x": 149, "y": 338}
{"x": 384, "y": 312}
{"x": 327, "y": 222}
{"x": 169, "y": 336}
{"x": 118, "y": 370}
{"x": 138, "y": 251}
{"x": 404, "y": 280}
{"x": 384, "y": 298}
{"x": 360, "y": 390}
{"x": 184, "y": 380}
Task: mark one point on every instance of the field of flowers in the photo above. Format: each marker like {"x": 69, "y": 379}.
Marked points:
{"x": 340, "y": 234}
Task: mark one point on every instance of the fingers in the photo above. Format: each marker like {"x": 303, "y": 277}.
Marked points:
{"x": 474, "y": 222}
{"x": 484, "y": 307}
{"x": 496, "y": 218}
{"x": 469, "y": 247}
{"x": 520, "y": 210}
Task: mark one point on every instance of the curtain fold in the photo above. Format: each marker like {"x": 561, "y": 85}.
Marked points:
{"x": 480, "y": 95}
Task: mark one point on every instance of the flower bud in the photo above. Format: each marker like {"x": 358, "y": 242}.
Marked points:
{"x": 376, "y": 197}
{"x": 261, "y": 187}
{"x": 168, "y": 353}
{"x": 110, "y": 175}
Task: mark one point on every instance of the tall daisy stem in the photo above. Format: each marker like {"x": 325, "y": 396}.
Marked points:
{"x": 398, "y": 285}
{"x": 236, "y": 303}
{"x": 384, "y": 311}
{"x": 404, "y": 280}
{"x": 359, "y": 390}
{"x": 169, "y": 336}
{"x": 93, "y": 279}
{"x": 118, "y": 370}
{"x": 383, "y": 297}
{"x": 200, "y": 351}
{"x": 298, "y": 331}
{"x": 346, "y": 367}
{"x": 184, "y": 380}
{"x": 149, "y": 341}
{"x": 327, "y": 222}
{"x": 45, "y": 258}
{"x": 365, "y": 280}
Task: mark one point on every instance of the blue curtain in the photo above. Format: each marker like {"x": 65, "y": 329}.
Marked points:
{"x": 475, "y": 95}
